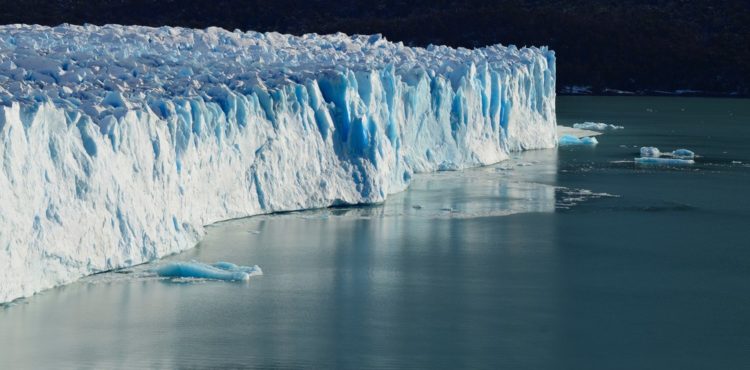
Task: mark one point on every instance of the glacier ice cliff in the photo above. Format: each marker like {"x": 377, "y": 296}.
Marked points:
{"x": 119, "y": 144}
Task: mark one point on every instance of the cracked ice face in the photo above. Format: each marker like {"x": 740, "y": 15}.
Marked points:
{"x": 119, "y": 144}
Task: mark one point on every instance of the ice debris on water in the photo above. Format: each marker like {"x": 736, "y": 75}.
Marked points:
{"x": 218, "y": 271}
{"x": 653, "y": 156}
{"x": 567, "y": 198}
{"x": 567, "y": 140}
{"x": 596, "y": 126}
{"x": 683, "y": 154}
{"x": 650, "y": 151}
{"x": 664, "y": 161}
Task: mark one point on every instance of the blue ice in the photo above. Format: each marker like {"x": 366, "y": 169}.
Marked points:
{"x": 683, "y": 154}
{"x": 663, "y": 161}
{"x": 228, "y": 266}
{"x": 218, "y": 271}
{"x": 573, "y": 140}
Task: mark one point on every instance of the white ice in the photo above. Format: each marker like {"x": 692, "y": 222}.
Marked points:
{"x": 119, "y": 144}
{"x": 650, "y": 151}
{"x": 652, "y": 155}
{"x": 597, "y": 126}
{"x": 577, "y": 132}
{"x": 653, "y": 152}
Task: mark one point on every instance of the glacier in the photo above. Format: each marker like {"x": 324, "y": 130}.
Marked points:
{"x": 120, "y": 143}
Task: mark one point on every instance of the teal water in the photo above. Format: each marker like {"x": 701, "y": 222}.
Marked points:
{"x": 557, "y": 259}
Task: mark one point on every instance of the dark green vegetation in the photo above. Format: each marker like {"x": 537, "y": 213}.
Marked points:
{"x": 634, "y": 45}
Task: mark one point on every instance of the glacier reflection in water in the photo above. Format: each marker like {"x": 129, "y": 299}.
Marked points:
{"x": 522, "y": 184}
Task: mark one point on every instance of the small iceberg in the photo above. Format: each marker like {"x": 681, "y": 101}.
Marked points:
{"x": 597, "y": 126}
{"x": 683, "y": 154}
{"x": 653, "y": 156}
{"x": 663, "y": 161}
{"x": 218, "y": 271}
{"x": 650, "y": 151}
{"x": 567, "y": 140}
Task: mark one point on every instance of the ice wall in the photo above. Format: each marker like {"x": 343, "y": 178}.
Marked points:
{"x": 119, "y": 143}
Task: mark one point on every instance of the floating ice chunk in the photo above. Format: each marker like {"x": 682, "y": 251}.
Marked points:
{"x": 572, "y": 140}
{"x": 650, "y": 151}
{"x": 683, "y": 154}
{"x": 598, "y": 126}
{"x": 679, "y": 154}
{"x": 569, "y": 140}
{"x": 663, "y": 161}
{"x": 219, "y": 271}
{"x": 250, "y": 270}
{"x": 589, "y": 141}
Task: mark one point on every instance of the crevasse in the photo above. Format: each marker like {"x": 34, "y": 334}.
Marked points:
{"x": 119, "y": 144}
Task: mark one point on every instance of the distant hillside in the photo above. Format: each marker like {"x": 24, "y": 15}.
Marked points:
{"x": 632, "y": 45}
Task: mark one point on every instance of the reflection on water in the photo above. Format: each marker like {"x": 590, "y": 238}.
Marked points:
{"x": 523, "y": 184}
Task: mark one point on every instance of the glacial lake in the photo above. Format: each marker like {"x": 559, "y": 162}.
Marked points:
{"x": 571, "y": 258}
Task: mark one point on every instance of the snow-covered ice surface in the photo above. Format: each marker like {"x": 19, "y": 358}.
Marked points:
{"x": 598, "y": 126}
{"x": 119, "y": 144}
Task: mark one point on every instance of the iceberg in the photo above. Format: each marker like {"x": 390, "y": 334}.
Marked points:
{"x": 663, "y": 161}
{"x": 218, "y": 271}
{"x": 120, "y": 143}
{"x": 650, "y": 151}
{"x": 653, "y": 156}
{"x": 252, "y": 270}
{"x": 597, "y": 126}
{"x": 568, "y": 140}
{"x": 683, "y": 154}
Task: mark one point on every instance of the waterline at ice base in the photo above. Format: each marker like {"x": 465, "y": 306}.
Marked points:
{"x": 119, "y": 144}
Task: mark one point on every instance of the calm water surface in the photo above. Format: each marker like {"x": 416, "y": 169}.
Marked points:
{"x": 555, "y": 259}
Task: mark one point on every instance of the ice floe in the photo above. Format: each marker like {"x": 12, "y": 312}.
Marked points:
{"x": 597, "y": 126}
{"x": 218, "y": 271}
{"x": 569, "y": 140}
